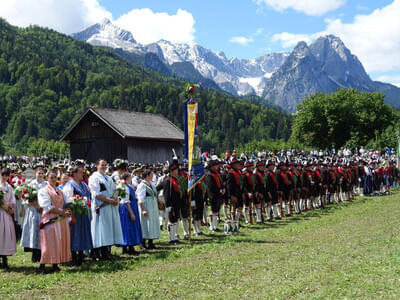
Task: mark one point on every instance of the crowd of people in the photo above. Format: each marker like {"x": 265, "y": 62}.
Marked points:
{"x": 71, "y": 210}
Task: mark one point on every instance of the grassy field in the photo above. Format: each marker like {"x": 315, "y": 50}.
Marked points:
{"x": 346, "y": 251}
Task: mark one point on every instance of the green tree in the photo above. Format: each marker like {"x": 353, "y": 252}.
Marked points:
{"x": 346, "y": 116}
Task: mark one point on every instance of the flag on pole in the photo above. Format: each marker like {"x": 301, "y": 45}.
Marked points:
{"x": 191, "y": 122}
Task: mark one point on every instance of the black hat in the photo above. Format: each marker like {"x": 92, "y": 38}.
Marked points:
{"x": 249, "y": 163}
{"x": 270, "y": 162}
{"x": 260, "y": 163}
{"x": 233, "y": 161}
{"x": 212, "y": 162}
{"x": 173, "y": 167}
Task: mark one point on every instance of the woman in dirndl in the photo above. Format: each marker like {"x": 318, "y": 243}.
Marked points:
{"x": 130, "y": 220}
{"x": 81, "y": 236}
{"x": 54, "y": 226}
{"x": 8, "y": 243}
{"x": 30, "y": 238}
{"x": 148, "y": 208}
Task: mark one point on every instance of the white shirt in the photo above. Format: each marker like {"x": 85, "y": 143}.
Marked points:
{"x": 141, "y": 191}
{"x": 45, "y": 200}
{"x": 115, "y": 176}
{"x": 136, "y": 181}
{"x": 35, "y": 184}
{"x": 367, "y": 171}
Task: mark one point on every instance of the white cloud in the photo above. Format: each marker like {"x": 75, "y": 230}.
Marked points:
{"x": 148, "y": 26}
{"x": 66, "y": 16}
{"x": 393, "y": 79}
{"x": 374, "y": 38}
{"x": 309, "y": 7}
{"x": 241, "y": 40}
{"x": 291, "y": 39}
{"x": 69, "y": 16}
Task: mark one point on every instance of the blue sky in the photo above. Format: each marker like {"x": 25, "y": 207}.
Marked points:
{"x": 241, "y": 28}
{"x": 217, "y": 21}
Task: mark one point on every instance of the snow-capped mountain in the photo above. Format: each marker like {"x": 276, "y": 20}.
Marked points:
{"x": 283, "y": 79}
{"x": 236, "y": 76}
{"x": 323, "y": 66}
{"x": 108, "y": 34}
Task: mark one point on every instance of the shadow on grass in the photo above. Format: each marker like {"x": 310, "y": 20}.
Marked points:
{"x": 165, "y": 250}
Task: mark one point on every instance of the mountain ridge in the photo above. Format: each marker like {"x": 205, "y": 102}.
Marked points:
{"x": 281, "y": 78}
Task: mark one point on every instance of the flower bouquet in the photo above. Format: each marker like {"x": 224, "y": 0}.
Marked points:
{"x": 120, "y": 191}
{"x": 29, "y": 194}
{"x": 2, "y": 204}
{"x": 78, "y": 205}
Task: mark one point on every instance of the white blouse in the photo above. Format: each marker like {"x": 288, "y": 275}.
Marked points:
{"x": 45, "y": 200}
{"x": 141, "y": 191}
{"x": 68, "y": 191}
{"x": 35, "y": 184}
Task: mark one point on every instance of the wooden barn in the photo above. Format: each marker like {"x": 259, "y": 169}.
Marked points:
{"x": 110, "y": 133}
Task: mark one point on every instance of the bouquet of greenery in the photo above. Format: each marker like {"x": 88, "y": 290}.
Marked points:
{"x": 78, "y": 205}
{"x": 120, "y": 190}
{"x": 19, "y": 185}
{"x": 29, "y": 194}
{"x": 2, "y": 204}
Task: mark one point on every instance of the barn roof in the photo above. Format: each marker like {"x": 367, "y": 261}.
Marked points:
{"x": 131, "y": 124}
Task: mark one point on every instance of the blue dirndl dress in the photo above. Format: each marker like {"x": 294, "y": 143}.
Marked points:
{"x": 131, "y": 230}
{"x": 81, "y": 237}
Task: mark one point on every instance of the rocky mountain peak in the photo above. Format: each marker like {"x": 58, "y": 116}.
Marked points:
{"x": 281, "y": 78}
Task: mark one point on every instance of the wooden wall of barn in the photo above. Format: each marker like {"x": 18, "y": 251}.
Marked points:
{"x": 92, "y": 139}
{"x": 150, "y": 151}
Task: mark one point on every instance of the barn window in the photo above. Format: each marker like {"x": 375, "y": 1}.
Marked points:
{"x": 95, "y": 124}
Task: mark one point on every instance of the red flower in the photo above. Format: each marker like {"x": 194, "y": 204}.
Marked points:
{"x": 19, "y": 176}
{"x": 23, "y": 179}
{"x": 25, "y": 191}
{"x": 89, "y": 204}
{"x": 19, "y": 182}
{"x": 12, "y": 181}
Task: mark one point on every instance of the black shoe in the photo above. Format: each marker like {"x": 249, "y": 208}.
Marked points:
{"x": 55, "y": 269}
{"x": 74, "y": 258}
{"x": 151, "y": 245}
{"x": 36, "y": 255}
{"x": 5, "y": 263}
{"x": 80, "y": 258}
{"x": 132, "y": 251}
{"x": 41, "y": 271}
{"x": 125, "y": 250}
{"x": 104, "y": 253}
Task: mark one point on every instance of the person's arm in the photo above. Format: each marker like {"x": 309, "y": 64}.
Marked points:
{"x": 94, "y": 185}
{"x": 131, "y": 214}
{"x": 45, "y": 203}
{"x": 141, "y": 195}
{"x": 68, "y": 191}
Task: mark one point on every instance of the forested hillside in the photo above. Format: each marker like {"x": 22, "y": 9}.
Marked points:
{"x": 47, "y": 79}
